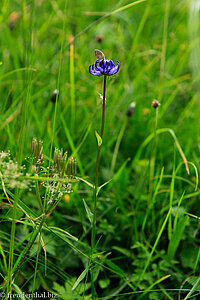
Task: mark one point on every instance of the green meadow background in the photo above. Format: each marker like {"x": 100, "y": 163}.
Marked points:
{"x": 148, "y": 215}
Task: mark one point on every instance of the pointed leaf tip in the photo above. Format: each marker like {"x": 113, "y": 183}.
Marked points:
{"x": 99, "y": 139}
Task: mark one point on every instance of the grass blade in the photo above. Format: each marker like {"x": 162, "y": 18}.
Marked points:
{"x": 194, "y": 289}
{"x": 176, "y": 237}
{"x": 153, "y": 249}
{"x": 80, "y": 278}
{"x": 88, "y": 211}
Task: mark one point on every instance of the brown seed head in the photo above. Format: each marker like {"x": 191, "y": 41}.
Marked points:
{"x": 131, "y": 109}
{"x": 70, "y": 39}
{"x": 99, "y": 38}
{"x": 13, "y": 19}
{"x": 155, "y": 103}
{"x": 54, "y": 96}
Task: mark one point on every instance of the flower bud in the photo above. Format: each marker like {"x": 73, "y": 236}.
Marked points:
{"x": 131, "y": 109}
{"x": 155, "y": 103}
{"x": 60, "y": 160}
{"x": 54, "y": 95}
{"x": 36, "y": 154}
{"x": 13, "y": 20}
{"x": 100, "y": 38}
{"x": 71, "y": 167}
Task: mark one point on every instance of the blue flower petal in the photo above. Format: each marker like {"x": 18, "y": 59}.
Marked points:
{"x": 110, "y": 66}
{"x": 98, "y": 68}
{"x": 104, "y": 67}
{"x": 115, "y": 69}
{"x": 94, "y": 71}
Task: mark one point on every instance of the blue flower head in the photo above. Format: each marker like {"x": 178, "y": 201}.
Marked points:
{"x": 104, "y": 67}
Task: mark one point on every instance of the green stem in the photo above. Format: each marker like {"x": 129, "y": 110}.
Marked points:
{"x": 96, "y": 181}
{"x": 116, "y": 150}
{"x": 30, "y": 244}
{"x": 49, "y": 210}
{"x": 36, "y": 265}
{"x": 151, "y": 175}
{"x": 153, "y": 169}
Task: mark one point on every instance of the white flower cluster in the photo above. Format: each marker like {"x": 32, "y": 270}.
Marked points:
{"x": 11, "y": 172}
{"x": 56, "y": 189}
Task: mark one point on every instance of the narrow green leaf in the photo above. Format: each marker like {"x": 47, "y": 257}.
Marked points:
{"x": 82, "y": 141}
{"x": 194, "y": 289}
{"x": 114, "y": 267}
{"x": 124, "y": 251}
{"x": 197, "y": 262}
{"x": 22, "y": 253}
{"x": 177, "y": 211}
{"x": 80, "y": 278}
{"x": 155, "y": 283}
{"x": 119, "y": 172}
{"x": 192, "y": 280}
{"x": 15, "y": 71}
{"x": 63, "y": 237}
{"x": 154, "y": 247}
{"x": 4, "y": 258}
{"x": 157, "y": 187}
{"x": 19, "y": 292}
{"x": 99, "y": 139}
{"x": 88, "y": 211}
{"x": 87, "y": 182}
{"x": 105, "y": 183}
{"x": 65, "y": 232}
{"x": 176, "y": 237}
{"x": 171, "y": 201}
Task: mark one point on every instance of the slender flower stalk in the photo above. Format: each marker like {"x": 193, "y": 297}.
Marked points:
{"x": 97, "y": 164}
{"x": 155, "y": 105}
{"x": 106, "y": 68}
{"x": 93, "y": 234}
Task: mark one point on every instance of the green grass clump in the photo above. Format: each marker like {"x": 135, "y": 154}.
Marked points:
{"x": 147, "y": 240}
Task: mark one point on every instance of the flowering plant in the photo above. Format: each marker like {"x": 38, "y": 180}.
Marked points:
{"x": 104, "y": 67}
